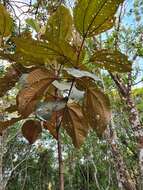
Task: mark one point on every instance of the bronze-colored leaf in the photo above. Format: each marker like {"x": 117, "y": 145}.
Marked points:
{"x": 27, "y": 97}
{"x": 31, "y": 130}
{"x": 5, "y": 124}
{"x": 111, "y": 60}
{"x": 38, "y": 81}
{"x": 8, "y": 81}
{"x": 75, "y": 124}
{"x": 39, "y": 74}
{"x": 51, "y": 126}
{"x": 97, "y": 109}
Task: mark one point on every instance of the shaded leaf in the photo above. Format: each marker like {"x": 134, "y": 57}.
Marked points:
{"x": 59, "y": 26}
{"x": 92, "y": 17}
{"x": 111, "y": 61}
{"x": 33, "y": 24}
{"x": 31, "y": 130}
{"x": 5, "y": 124}
{"x": 75, "y": 124}
{"x": 6, "y": 23}
{"x": 97, "y": 109}
{"x": 51, "y": 126}
{"x": 11, "y": 108}
{"x": 9, "y": 80}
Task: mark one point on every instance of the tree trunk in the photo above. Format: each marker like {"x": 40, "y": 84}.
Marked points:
{"x": 138, "y": 132}
{"x": 124, "y": 180}
{"x": 1, "y": 166}
{"x": 125, "y": 92}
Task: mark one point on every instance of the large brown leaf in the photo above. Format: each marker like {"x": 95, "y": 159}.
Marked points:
{"x": 31, "y": 130}
{"x": 27, "y": 97}
{"x": 97, "y": 110}
{"x": 75, "y": 124}
{"x": 38, "y": 81}
{"x": 39, "y": 74}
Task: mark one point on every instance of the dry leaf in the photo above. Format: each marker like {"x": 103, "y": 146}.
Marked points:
{"x": 75, "y": 124}
{"x": 31, "y": 130}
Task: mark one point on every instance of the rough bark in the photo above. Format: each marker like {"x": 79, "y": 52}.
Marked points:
{"x": 124, "y": 180}
{"x": 125, "y": 93}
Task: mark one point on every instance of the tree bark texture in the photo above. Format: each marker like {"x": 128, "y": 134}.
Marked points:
{"x": 124, "y": 179}
{"x": 134, "y": 119}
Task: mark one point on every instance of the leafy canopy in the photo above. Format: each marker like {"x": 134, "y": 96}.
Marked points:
{"x": 59, "y": 89}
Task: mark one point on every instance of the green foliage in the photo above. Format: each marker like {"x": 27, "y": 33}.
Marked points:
{"x": 6, "y": 23}
{"x": 59, "y": 26}
{"x": 93, "y": 17}
{"x": 63, "y": 65}
{"x": 33, "y": 24}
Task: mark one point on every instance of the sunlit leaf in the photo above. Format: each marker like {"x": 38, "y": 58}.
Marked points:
{"x": 31, "y": 130}
{"x": 33, "y": 24}
{"x": 59, "y": 26}
{"x": 111, "y": 60}
{"x": 75, "y": 124}
{"x": 97, "y": 109}
{"x": 92, "y": 17}
{"x": 6, "y": 23}
{"x": 40, "y": 52}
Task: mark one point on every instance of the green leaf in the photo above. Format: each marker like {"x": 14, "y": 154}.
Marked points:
{"x": 33, "y": 51}
{"x": 59, "y": 26}
{"x": 6, "y": 23}
{"x": 33, "y": 24}
{"x": 111, "y": 60}
{"x": 92, "y": 17}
